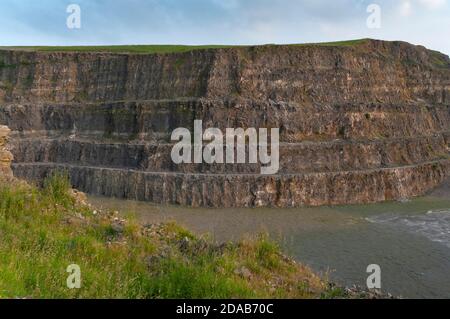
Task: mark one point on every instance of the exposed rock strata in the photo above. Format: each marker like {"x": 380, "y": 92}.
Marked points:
{"x": 5, "y": 155}
{"x": 250, "y": 190}
{"x": 304, "y": 157}
{"x": 362, "y": 123}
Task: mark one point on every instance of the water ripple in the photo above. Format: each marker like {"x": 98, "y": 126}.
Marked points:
{"x": 434, "y": 225}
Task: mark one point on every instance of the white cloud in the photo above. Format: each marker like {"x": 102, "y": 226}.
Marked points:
{"x": 405, "y": 8}
{"x": 433, "y": 4}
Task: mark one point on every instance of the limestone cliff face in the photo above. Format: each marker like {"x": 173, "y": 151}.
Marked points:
{"x": 361, "y": 123}
{"x": 369, "y": 72}
{"x": 5, "y": 156}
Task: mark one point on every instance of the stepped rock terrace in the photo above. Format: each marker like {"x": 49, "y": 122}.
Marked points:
{"x": 359, "y": 122}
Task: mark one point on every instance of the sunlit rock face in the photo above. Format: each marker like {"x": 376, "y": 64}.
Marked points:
{"x": 5, "y": 155}
{"x": 359, "y": 123}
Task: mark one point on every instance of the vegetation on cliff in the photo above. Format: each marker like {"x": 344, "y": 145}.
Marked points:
{"x": 162, "y": 49}
{"x": 43, "y": 231}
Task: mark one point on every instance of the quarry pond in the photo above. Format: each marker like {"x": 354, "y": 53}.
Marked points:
{"x": 410, "y": 240}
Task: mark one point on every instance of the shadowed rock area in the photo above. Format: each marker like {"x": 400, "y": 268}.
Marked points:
{"x": 359, "y": 123}
{"x": 442, "y": 191}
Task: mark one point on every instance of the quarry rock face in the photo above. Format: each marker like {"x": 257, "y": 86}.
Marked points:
{"x": 359, "y": 123}
{"x": 5, "y": 155}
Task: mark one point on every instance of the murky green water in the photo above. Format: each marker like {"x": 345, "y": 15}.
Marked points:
{"x": 410, "y": 240}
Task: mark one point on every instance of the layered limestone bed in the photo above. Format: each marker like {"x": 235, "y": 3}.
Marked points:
{"x": 359, "y": 123}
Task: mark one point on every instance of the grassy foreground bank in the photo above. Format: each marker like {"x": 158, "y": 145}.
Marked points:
{"x": 44, "y": 230}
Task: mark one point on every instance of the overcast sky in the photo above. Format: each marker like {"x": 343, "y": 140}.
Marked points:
{"x": 43, "y": 22}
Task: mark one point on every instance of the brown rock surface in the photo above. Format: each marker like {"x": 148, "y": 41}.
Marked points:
{"x": 5, "y": 156}
{"x": 358, "y": 123}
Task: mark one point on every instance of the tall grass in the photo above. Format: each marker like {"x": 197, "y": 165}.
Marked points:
{"x": 43, "y": 231}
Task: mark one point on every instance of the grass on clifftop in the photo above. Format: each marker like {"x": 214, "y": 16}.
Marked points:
{"x": 162, "y": 49}
{"x": 43, "y": 231}
{"x": 140, "y": 49}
